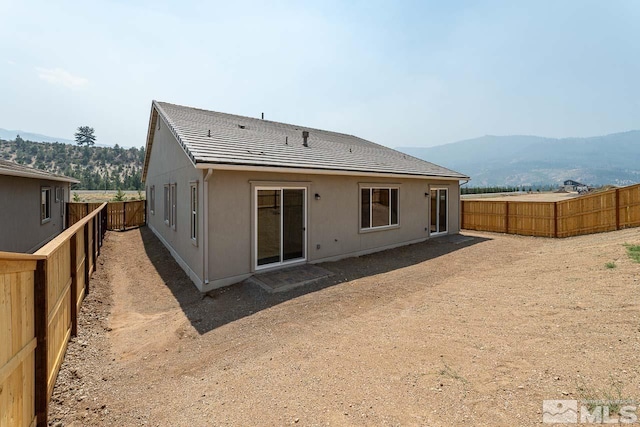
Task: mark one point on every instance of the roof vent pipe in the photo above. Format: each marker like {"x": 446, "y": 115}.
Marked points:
{"x": 262, "y": 116}
{"x": 305, "y": 135}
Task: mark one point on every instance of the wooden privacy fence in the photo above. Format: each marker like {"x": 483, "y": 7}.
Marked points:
{"x": 120, "y": 215}
{"x": 606, "y": 211}
{"x": 40, "y": 296}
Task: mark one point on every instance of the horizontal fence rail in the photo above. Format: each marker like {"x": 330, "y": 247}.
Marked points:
{"x": 594, "y": 213}
{"x": 40, "y": 297}
{"x": 120, "y": 215}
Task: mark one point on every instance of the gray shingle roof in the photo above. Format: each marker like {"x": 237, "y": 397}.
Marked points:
{"x": 210, "y": 137}
{"x": 15, "y": 169}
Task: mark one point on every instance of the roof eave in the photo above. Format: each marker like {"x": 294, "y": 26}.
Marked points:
{"x": 157, "y": 113}
{"x": 149, "y": 142}
{"x": 319, "y": 171}
{"x": 25, "y": 174}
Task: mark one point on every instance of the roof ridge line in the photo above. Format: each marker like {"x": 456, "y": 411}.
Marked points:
{"x": 266, "y": 120}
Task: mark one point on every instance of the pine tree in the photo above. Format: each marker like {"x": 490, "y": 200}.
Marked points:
{"x": 85, "y": 136}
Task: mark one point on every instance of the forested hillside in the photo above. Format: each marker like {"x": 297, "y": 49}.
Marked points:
{"x": 110, "y": 168}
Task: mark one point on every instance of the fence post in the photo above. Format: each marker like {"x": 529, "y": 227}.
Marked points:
{"x": 617, "y": 195}
{"x": 110, "y": 216}
{"x": 506, "y": 219}
{"x": 86, "y": 259}
{"x": 99, "y": 222}
{"x": 124, "y": 215}
{"x": 41, "y": 356}
{"x": 66, "y": 216}
{"x": 105, "y": 215}
{"x": 461, "y": 212}
{"x": 94, "y": 248}
{"x": 74, "y": 284}
{"x": 555, "y": 219}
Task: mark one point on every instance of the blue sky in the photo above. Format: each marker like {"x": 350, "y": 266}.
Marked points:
{"x": 398, "y": 73}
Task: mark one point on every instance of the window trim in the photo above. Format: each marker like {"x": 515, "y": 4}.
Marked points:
{"x": 174, "y": 205}
{"x": 167, "y": 203}
{"x": 437, "y": 190}
{"x": 152, "y": 200}
{"x": 377, "y": 186}
{"x": 279, "y": 186}
{"x": 193, "y": 212}
{"x": 47, "y": 205}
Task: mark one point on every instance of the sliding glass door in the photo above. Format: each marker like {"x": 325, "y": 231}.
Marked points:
{"x": 281, "y": 225}
{"x": 439, "y": 211}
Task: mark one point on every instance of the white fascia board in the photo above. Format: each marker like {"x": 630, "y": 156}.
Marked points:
{"x": 250, "y": 168}
{"x": 38, "y": 176}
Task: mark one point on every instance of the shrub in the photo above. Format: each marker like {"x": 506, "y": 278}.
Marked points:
{"x": 119, "y": 197}
{"x": 634, "y": 252}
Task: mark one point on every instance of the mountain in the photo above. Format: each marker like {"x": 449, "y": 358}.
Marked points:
{"x": 95, "y": 167}
{"x": 534, "y": 160}
{"x": 10, "y": 135}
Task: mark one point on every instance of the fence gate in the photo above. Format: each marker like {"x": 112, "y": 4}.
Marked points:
{"x": 120, "y": 215}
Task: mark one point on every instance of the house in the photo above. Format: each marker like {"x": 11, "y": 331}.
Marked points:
{"x": 571, "y": 185}
{"x": 230, "y": 196}
{"x": 33, "y": 206}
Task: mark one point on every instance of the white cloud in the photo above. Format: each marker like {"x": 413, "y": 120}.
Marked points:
{"x": 58, "y": 76}
{"x": 10, "y": 62}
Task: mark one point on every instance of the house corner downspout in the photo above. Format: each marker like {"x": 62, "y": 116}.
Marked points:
{"x": 205, "y": 219}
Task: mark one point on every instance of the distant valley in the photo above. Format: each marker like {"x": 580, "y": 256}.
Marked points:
{"x": 533, "y": 160}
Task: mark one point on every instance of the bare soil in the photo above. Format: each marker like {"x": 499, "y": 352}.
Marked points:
{"x": 523, "y": 197}
{"x": 477, "y": 333}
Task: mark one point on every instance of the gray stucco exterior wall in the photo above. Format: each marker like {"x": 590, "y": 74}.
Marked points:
{"x": 333, "y": 228}
{"x": 168, "y": 164}
{"x": 22, "y": 229}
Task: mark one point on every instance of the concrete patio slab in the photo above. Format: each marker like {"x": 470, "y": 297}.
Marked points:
{"x": 289, "y": 278}
{"x": 456, "y": 239}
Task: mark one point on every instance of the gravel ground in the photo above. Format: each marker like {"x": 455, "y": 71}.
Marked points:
{"x": 477, "y": 333}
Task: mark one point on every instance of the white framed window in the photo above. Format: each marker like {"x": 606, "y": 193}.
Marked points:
{"x": 193, "y": 207}
{"x": 152, "y": 200}
{"x": 45, "y": 204}
{"x": 167, "y": 204}
{"x": 379, "y": 207}
{"x": 174, "y": 205}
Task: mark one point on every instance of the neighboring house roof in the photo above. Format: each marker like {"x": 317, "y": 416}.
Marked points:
{"x": 572, "y": 182}
{"x": 210, "y": 138}
{"x": 15, "y": 169}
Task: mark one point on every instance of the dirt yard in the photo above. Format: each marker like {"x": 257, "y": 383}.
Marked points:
{"x": 477, "y": 333}
{"x": 522, "y": 197}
